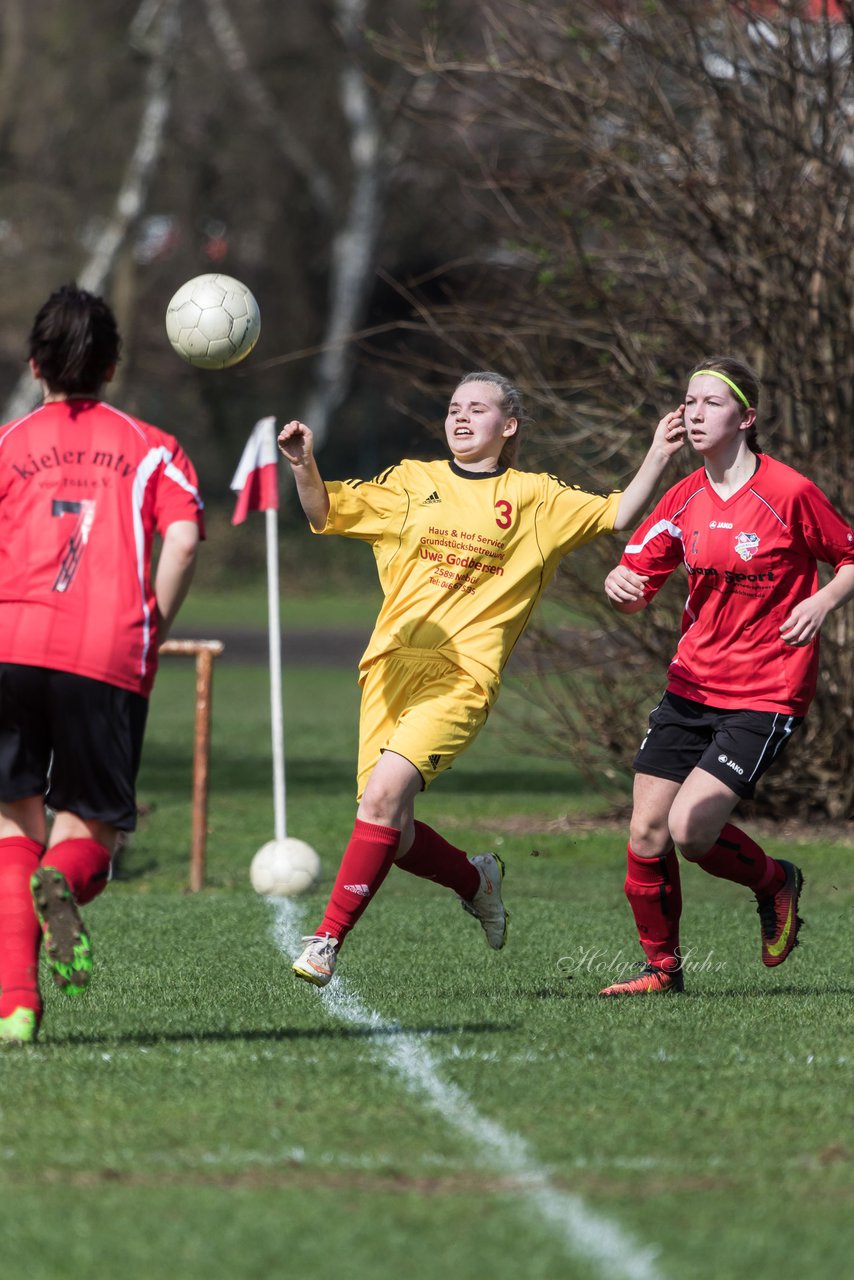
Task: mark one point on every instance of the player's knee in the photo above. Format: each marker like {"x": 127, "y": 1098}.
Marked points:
{"x": 648, "y": 837}
{"x": 694, "y": 852}
{"x": 693, "y": 839}
{"x": 380, "y": 805}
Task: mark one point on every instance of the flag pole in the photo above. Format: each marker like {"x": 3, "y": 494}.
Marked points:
{"x": 281, "y": 867}
{"x": 274, "y": 629}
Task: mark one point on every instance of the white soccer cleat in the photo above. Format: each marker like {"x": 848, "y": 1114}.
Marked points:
{"x": 317, "y": 962}
{"x": 486, "y": 905}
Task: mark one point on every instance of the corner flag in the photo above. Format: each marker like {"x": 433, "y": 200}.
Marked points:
{"x": 256, "y": 483}
{"x": 256, "y": 480}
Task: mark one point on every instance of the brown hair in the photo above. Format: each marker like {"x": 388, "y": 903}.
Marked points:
{"x": 74, "y": 341}
{"x": 745, "y": 378}
{"x": 511, "y": 406}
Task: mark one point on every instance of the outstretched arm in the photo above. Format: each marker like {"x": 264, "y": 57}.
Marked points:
{"x": 668, "y": 439}
{"x": 296, "y": 444}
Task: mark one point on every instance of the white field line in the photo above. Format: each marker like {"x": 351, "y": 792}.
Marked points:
{"x": 584, "y": 1231}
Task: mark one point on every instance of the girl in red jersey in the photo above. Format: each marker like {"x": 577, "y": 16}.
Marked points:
{"x": 464, "y": 548}
{"x": 84, "y": 489}
{"x": 749, "y": 531}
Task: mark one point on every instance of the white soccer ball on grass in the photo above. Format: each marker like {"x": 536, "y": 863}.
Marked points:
{"x": 284, "y": 869}
{"x": 213, "y": 321}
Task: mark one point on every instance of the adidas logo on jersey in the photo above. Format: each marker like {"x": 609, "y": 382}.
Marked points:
{"x": 432, "y": 500}
{"x": 362, "y": 890}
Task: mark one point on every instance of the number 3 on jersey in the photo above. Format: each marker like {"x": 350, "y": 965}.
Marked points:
{"x": 77, "y": 539}
{"x": 505, "y": 517}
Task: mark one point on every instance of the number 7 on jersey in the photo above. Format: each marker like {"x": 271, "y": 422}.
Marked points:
{"x": 77, "y": 539}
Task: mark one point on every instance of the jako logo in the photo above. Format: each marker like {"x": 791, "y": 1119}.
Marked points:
{"x": 720, "y": 524}
{"x": 730, "y": 764}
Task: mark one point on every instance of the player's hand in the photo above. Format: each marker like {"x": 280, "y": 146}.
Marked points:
{"x": 625, "y": 587}
{"x": 670, "y": 433}
{"x": 804, "y": 622}
{"x": 296, "y": 443}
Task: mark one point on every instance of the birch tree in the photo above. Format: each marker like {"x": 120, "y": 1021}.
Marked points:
{"x": 353, "y": 215}
{"x": 154, "y": 33}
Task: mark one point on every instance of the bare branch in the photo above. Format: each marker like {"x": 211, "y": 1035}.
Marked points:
{"x": 161, "y": 38}
{"x": 665, "y": 182}
{"x": 354, "y": 246}
{"x": 264, "y": 108}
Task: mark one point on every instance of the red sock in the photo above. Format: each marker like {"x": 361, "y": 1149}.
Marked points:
{"x": 366, "y": 863}
{"x": 432, "y": 858}
{"x": 20, "y": 935}
{"x": 85, "y": 864}
{"x": 736, "y": 857}
{"x": 654, "y": 891}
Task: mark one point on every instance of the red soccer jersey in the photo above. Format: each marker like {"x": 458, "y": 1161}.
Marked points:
{"x": 83, "y": 489}
{"x": 750, "y": 559}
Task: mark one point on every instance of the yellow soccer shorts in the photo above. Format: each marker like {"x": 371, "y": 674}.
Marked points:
{"x": 422, "y": 706}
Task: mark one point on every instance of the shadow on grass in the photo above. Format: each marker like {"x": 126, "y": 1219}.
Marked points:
{"x": 125, "y": 869}
{"x": 693, "y": 993}
{"x": 278, "y": 1034}
{"x": 522, "y": 781}
{"x": 804, "y": 993}
{"x": 166, "y": 772}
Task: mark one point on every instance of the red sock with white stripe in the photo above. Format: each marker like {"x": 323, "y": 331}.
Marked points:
{"x": 431, "y": 857}
{"x": 85, "y": 864}
{"x": 20, "y": 935}
{"x": 654, "y": 890}
{"x": 738, "y": 858}
{"x": 367, "y": 861}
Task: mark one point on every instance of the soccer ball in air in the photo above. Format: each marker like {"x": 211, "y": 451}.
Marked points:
{"x": 213, "y": 321}
{"x": 284, "y": 869}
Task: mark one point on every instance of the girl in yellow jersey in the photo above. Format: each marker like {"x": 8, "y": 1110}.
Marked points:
{"x": 464, "y": 549}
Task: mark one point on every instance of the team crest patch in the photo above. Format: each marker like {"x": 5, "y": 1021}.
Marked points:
{"x": 746, "y": 545}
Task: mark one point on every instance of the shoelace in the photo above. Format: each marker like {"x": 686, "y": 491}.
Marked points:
{"x": 653, "y": 970}
{"x": 767, "y": 916}
{"x": 645, "y": 970}
{"x": 322, "y": 940}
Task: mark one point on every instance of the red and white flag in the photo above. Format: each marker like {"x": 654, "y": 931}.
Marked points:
{"x": 256, "y": 480}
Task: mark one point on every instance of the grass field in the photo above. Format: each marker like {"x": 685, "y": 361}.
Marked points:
{"x": 440, "y": 1110}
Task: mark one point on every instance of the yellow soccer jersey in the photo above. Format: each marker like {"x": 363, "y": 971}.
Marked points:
{"x": 463, "y": 556}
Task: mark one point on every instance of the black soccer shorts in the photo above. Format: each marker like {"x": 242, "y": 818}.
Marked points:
{"x": 735, "y": 746}
{"x": 74, "y": 740}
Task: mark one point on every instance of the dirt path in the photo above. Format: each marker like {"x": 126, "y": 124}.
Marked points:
{"x": 301, "y": 647}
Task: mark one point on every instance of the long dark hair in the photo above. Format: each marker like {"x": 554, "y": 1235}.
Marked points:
{"x": 747, "y": 381}
{"x": 511, "y": 406}
{"x": 74, "y": 341}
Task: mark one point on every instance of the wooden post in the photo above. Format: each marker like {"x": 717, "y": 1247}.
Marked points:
{"x": 204, "y": 652}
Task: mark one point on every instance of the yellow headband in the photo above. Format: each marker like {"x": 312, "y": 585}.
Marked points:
{"x": 713, "y": 373}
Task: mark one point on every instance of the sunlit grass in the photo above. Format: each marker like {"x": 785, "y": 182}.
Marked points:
{"x": 200, "y": 1113}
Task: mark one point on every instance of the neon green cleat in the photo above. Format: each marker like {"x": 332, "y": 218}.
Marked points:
{"x": 778, "y": 915}
{"x": 21, "y": 1027}
{"x": 67, "y": 945}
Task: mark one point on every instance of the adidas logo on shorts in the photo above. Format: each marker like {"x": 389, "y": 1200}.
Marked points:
{"x": 434, "y": 761}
